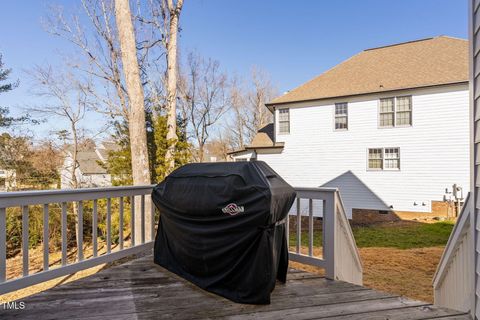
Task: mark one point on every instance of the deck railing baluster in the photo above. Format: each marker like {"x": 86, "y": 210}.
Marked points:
{"x": 95, "y": 227}
{"x": 109, "y": 225}
{"x": 3, "y": 244}
{"x": 120, "y": 222}
{"x": 45, "y": 236}
{"x": 299, "y": 227}
{"x": 64, "y": 233}
{"x": 25, "y": 240}
{"x": 80, "y": 231}
{"x": 152, "y": 220}
{"x": 132, "y": 220}
{"x": 142, "y": 218}
{"x": 310, "y": 227}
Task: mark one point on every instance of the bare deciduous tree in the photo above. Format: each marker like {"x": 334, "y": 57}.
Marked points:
{"x": 249, "y": 113}
{"x": 205, "y": 99}
{"x": 163, "y": 25}
{"x": 174, "y": 10}
{"x": 66, "y": 97}
{"x": 136, "y": 123}
{"x": 99, "y": 52}
{"x": 138, "y": 137}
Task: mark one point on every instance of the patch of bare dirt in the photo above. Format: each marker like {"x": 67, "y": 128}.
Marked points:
{"x": 406, "y": 272}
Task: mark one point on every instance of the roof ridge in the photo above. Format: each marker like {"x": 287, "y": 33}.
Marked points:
{"x": 412, "y": 41}
{"x": 451, "y": 37}
{"x": 401, "y": 43}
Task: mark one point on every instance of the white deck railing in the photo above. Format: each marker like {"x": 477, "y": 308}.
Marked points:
{"x": 453, "y": 282}
{"x": 340, "y": 256}
{"x": 62, "y": 198}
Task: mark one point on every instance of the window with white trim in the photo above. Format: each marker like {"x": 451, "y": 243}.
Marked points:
{"x": 403, "y": 111}
{"x": 387, "y": 112}
{"x": 383, "y": 159}
{"x": 284, "y": 121}
{"x": 341, "y": 116}
{"x": 375, "y": 159}
{"x": 395, "y": 111}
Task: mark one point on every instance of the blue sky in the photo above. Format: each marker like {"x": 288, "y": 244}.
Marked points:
{"x": 292, "y": 40}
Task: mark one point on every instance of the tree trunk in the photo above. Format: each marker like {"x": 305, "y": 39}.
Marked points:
{"x": 74, "y": 181}
{"x": 136, "y": 121}
{"x": 172, "y": 84}
{"x": 201, "y": 152}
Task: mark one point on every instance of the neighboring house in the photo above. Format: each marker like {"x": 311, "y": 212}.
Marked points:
{"x": 387, "y": 127}
{"x": 90, "y": 171}
{"x": 8, "y": 180}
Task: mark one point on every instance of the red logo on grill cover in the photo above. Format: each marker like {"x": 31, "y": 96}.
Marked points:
{"x": 233, "y": 209}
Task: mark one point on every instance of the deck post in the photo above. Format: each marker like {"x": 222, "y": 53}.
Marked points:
{"x": 329, "y": 221}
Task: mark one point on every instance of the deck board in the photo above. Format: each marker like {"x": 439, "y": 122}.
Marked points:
{"x": 139, "y": 289}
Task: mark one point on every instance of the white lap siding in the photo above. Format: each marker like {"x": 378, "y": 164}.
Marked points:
{"x": 434, "y": 151}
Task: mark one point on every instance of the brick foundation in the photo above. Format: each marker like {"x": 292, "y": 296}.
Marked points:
{"x": 366, "y": 216}
{"x": 440, "y": 209}
{"x": 317, "y": 223}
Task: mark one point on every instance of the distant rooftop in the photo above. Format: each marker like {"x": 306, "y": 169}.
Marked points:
{"x": 420, "y": 63}
{"x": 90, "y": 160}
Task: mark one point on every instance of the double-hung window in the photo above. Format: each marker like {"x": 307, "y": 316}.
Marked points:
{"x": 395, "y": 111}
{"x": 403, "y": 111}
{"x": 284, "y": 121}
{"x": 341, "y": 116}
{"x": 383, "y": 159}
{"x": 387, "y": 112}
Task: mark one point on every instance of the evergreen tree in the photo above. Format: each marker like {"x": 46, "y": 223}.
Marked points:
{"x": 182, "y": 150}
{"x": 5, "y": 119}
{"x": 119, "y": 165}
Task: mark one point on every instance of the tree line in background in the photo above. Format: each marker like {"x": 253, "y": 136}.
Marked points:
{"x": 163, "y": 111}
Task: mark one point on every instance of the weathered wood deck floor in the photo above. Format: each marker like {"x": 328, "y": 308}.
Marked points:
{"x": 140, "y": 289}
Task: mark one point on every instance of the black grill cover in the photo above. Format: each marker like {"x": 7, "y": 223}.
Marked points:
{"x": 222, "y": 227}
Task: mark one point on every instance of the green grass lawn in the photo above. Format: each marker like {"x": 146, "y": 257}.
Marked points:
{"x": 402, "y": 235}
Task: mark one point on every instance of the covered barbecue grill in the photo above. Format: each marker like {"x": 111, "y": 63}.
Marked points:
{"x": 222, "y": 227}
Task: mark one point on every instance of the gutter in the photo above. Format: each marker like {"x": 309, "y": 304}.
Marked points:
{"x": 278, "y": 145}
